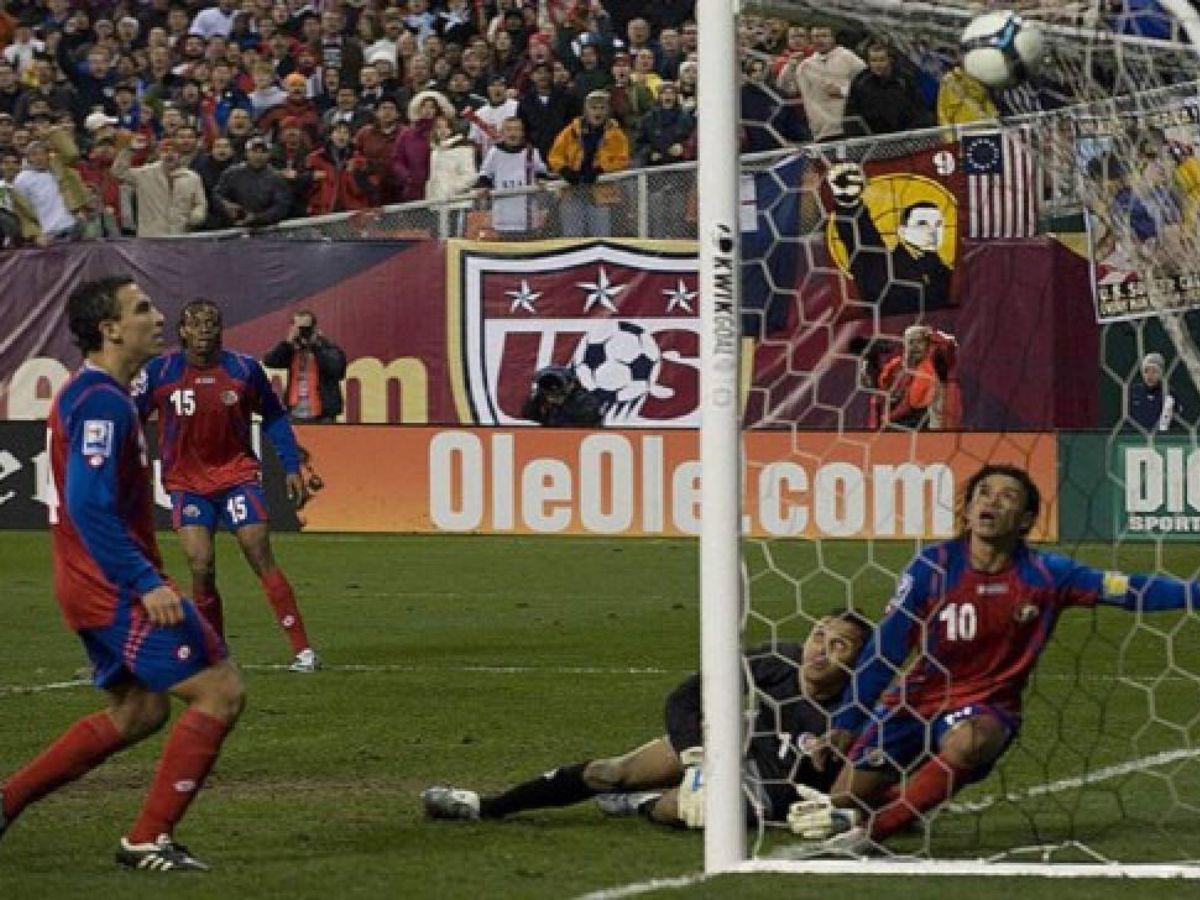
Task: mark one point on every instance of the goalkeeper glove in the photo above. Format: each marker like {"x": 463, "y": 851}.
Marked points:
{"x": 691, "y": 788}
{"x": 815, "y": 818}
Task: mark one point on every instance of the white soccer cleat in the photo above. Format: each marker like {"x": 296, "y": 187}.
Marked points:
{"x": 625, "y": 804}
{"x": 306, "y": 661}
{"x": 444, "y": 802}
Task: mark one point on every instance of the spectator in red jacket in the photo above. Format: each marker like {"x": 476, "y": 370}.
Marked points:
{"x": 297, "y": 106}
{"x": 376, "y": 143}
{"x": 410, "y": 163}
{"x": 339, "y": 175}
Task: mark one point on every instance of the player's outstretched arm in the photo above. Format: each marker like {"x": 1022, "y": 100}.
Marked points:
{"x": 1084, "y": 586}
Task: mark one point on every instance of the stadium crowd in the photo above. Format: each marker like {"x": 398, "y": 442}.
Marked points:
{"x": 160, "y": 117}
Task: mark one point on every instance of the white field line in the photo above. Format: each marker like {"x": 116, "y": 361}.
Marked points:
{"x": 645, "y": 887}
{"x": 951, "y": 867}
{"x": 20, "y": 689}
{"x": 1068, "y": 784}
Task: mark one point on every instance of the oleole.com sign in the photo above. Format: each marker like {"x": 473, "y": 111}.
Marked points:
{"x": 645, "y": 483}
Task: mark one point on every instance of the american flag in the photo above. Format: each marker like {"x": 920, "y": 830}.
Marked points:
{"x": 1003, "y": 184}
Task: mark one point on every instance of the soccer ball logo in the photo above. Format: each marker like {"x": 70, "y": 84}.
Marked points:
{"x": 1000, "y": 48}
{"x": 619, "y": 363}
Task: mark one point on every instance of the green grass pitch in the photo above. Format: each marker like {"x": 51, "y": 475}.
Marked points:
{"x": 483, "y": 661}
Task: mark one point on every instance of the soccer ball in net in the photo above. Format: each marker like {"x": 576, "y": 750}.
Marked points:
{"x": 1000, "y": 48}
{"x": 618, "y": 363}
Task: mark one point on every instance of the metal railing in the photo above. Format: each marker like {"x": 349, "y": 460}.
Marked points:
{"x": 660, "y": 202}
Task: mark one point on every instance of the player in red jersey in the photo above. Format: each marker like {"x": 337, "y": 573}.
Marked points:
{"x": 977, "y": 611}
{"x": 204, "y": 397}
{"x": 146, "y": 643}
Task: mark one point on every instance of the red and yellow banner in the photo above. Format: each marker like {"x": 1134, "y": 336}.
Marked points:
{"x": 647, "y": 483}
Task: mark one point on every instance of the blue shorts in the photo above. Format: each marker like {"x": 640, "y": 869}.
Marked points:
{"x": 235, "y": 508}
{"x": 897, "y": 741}
{"x": 157, "y": 657}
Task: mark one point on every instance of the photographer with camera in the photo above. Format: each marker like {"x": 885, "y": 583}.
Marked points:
{"x": 316, "y": 367}
{"x": 559, "y": 400}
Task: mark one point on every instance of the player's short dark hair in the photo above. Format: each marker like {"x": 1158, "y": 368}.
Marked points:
{"x": 852, "y": 617}
{"x": 1033, "y": 496}
{"x": 193, "y": 306}
{"x": 91, "y": 304}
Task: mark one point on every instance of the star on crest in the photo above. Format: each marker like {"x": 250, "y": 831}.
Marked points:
{"x": 601, "y": 291}
{"x": 680, "y": 296}
{"x": 523, "y": 298}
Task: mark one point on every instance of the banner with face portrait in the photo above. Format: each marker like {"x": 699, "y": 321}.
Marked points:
{"x": 1139, "y": 175}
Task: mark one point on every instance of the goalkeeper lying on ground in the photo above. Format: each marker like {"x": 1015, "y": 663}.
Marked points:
{"x": 977, "y": 612}
{"x": 663, "y": 779}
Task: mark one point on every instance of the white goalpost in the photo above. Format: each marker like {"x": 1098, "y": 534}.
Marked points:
{"x": 1022, "y": 803}
{"x": 720, "y": 434}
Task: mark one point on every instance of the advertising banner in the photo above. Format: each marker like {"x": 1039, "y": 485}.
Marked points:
{"x": 1159, "y": 489}
{"x": 647, "y": 483}
{"x": 1140, "y": 177}
{"x": 25, "y": 480}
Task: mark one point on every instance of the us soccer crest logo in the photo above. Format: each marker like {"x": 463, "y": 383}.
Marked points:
{"x": 623, "y": 317}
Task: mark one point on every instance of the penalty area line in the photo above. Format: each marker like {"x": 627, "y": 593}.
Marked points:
{"x": 646, "y": 887}
{"x": 1105, "y": 773}
{"x": 15, "y": 690}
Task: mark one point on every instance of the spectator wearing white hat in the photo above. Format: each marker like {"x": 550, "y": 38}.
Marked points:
{"x": 410, "y": 161}
{"x": 1151, "y": 406}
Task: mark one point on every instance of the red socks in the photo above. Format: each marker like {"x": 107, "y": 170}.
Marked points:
{"x": 186, "y": 761}
{"x": 84, "y": 746}
{"x": 287, "y": 613}
{"x": 930, "y": 786}
{"x": 208, "y": 603}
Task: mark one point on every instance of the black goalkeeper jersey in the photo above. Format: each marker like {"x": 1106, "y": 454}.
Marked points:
{"x": 786, "y": 722}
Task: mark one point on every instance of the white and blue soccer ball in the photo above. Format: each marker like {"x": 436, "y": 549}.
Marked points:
{"x": 618, "y": 362}
{"x": 1000, "y": 48}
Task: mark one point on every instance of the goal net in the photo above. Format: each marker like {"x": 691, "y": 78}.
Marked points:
{"x": 983, "y": 289}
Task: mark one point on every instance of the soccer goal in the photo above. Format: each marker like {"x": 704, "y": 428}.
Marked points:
{"x": 998, "y": 241}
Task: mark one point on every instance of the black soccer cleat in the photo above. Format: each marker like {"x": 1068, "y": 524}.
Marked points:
{"x": 164, "y": 855}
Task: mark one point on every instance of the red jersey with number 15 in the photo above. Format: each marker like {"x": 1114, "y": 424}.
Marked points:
{"x": 205, "y": 420}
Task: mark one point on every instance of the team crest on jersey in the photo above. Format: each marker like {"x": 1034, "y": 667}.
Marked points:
{"x": 623, "y": 317}
{"x": 97, "y": 439}
{"x": 229, "y": 398}
{"x": 183, "y": 652}
{"x": 1025, "y": 613}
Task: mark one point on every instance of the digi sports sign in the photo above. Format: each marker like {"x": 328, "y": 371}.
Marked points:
{"x": 624, "y": 317}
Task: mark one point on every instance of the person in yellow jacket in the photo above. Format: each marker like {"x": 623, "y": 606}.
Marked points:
{"x": 962, "y": 99}
{"x": 592, "y": 145}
